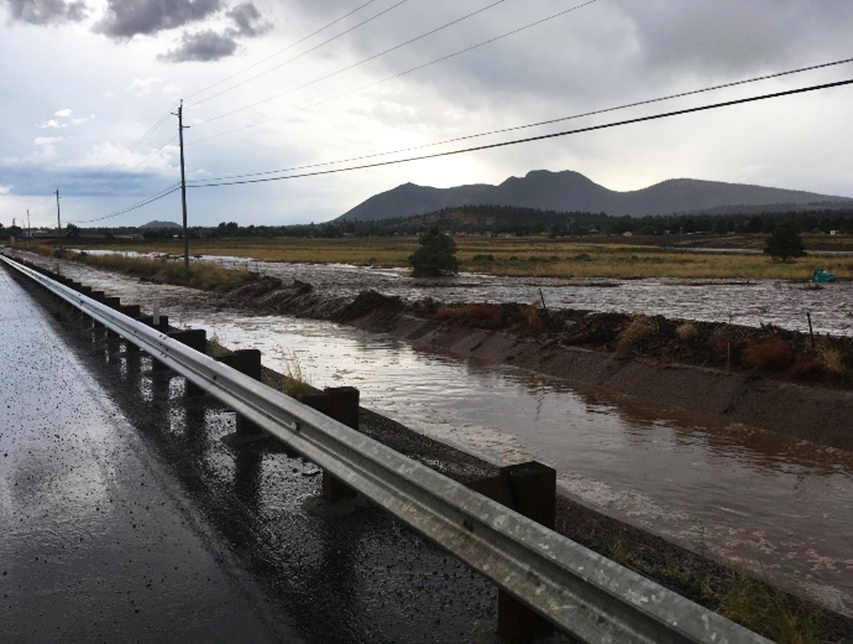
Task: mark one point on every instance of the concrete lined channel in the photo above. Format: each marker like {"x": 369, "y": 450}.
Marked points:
{"x": 122, "y": 512}
{"x": 762, "y": 502}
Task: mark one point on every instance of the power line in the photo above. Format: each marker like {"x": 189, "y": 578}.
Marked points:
{"x": 393, "y": 76}
{"x": 128, "y": 150}
{"x": 280, "y": 51}
{"x": 297, "y": 57}
{"x": 541, "y": 137}
{"x": 540, "y": 123}
{"x": 160, "y": 195}
{"x": 127, "y": 177}
{"x": 354, "y": 65}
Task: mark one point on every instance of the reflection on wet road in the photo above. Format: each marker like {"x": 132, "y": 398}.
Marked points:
{"x": 93, "y": 540}
{"x": 123, "y": 517}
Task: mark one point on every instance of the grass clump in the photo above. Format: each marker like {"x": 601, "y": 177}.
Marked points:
{"x": 767, "y": 610}
{"x": 638, "y": 329}
{"x": 831, "y": 358}
{"x": 477, "y": 314}
{"x": 533, "y": 319}
{"x": 772, "y": 354}
{"x": 686, "y": 331}
{"x": 296, "y": 379}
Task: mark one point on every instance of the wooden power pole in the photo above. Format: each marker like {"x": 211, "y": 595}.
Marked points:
{"x": 181, "y": 129}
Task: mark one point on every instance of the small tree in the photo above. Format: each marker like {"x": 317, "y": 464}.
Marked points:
{"x": 436, "y": 255}
{"x": 784, "y": 243}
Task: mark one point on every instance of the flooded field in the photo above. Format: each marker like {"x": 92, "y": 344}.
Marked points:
{"x": 748, "y": 302}
{"x": 779, "y": 508}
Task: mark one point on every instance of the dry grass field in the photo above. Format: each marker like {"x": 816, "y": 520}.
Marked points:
{"x": 569, "y": 258}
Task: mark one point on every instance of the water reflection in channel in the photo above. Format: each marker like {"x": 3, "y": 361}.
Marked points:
{"x": 764, "y": 501}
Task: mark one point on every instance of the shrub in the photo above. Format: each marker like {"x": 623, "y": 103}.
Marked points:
{"x": 436, "y": 255}
{"x": 831, "y": 359}
{"x": 772, "y": 353}
{"x": 483, "y": 259}
{"x": 632, "y": 334}
{"x": 783, "y": 243}
{"x": 686, "y": 331}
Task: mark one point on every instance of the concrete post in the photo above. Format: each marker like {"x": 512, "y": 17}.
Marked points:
{"x": 195, "y": 339}
{"x": 247, "y": 361}
{"x": 340, "y": 403}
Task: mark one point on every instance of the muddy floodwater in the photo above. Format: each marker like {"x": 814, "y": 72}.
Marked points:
{"x": 747, "y": 302}
{"x": 744, "y": 301}
{"x": 779, "y": 508}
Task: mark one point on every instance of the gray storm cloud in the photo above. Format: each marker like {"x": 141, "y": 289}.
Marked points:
{"x": 248, "y": 20}
{"x": 204, "y": 45}
{"x": 210, "y": 45}
{"x": 128, "y": 18}
{"x": 44, "y": 12}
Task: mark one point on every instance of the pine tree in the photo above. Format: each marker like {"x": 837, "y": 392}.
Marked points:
{"x": 436, "y": 255}
{"x": 784, "y": 243}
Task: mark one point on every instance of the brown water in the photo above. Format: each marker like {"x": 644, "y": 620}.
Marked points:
{"x": 779, "y": 508}
{"x": 747, "y": 302}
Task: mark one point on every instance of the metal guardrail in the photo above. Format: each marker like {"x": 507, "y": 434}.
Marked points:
{"x": 581, "y": 592}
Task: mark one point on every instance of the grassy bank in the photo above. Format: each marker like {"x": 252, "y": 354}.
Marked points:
{"x": 541, "y": 257}
{"x": 202, "y": 275}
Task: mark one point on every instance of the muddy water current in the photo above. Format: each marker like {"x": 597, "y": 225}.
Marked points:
{"x": 762, "y": 502}
{"x": 748, "y": 302}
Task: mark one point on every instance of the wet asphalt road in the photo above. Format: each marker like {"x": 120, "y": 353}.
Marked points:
{"x": 123, "y": 517}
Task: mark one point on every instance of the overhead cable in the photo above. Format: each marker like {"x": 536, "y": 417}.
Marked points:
{"x": 280, "y": 51}
{"x": 356, "y": 64}
{"x": 539, "y": 123}
{"x": 393, "y": 76}
{"x": 127, "y": 150}
{"x": 542, "y": 137}
{"x": 297, "y": 57}
{"x": 160, "y": 195}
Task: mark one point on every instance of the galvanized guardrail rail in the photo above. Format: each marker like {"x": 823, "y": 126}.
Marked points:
{"x": 580, "y": 592}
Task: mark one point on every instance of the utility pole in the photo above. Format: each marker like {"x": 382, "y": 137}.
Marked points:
{"x": 29, "y": 232}
{"x": 181, "y": 129}
{"x": 58, "y": 221}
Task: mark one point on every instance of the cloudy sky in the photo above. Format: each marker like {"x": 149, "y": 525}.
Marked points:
{"x": 88, "y": 87}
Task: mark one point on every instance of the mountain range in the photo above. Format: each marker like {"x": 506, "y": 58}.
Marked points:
{"x": 570, "y": 191}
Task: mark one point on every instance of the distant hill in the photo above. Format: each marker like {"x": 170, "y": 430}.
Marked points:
{"x": 569, "y": 191}
{"x": 160, "y": 225}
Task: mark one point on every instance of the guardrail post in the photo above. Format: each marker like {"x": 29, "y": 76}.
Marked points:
{"x": 134, "y": 311}
{"x": 113, "y": 303}
{"x": 247, "y": 361}
{"x": 98, "y": 296}
{"x": 340, "y": 403}
{"x": 529, "y": 489}
{"x": 194, "y": 339}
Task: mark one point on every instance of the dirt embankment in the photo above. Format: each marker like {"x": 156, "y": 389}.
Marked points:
{"x": 714, "y": 374}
